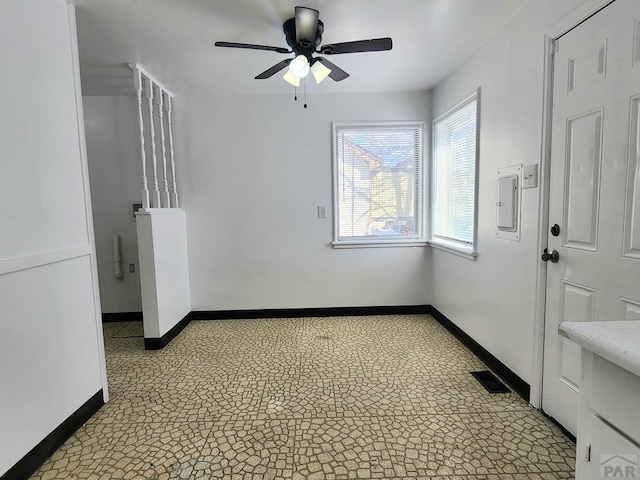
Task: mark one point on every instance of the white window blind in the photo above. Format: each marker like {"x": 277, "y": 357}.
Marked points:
{"x": 378, "y": 183}
{"x": 454, "y": 175}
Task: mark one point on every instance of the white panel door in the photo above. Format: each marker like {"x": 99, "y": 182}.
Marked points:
{"x": 594, "y": 191}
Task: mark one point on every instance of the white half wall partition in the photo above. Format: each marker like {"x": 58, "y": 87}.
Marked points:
{"x": 164, "y": 268}
{"x": 161, "y": 225}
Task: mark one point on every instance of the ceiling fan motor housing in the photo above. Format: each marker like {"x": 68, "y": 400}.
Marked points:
{"x": 303, "y": 47}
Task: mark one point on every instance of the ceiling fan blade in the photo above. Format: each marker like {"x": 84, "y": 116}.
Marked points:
{"x": 337, "y": 74}
{"x": 270, "y": 72}
{"x": 374, "y": 45}
{"x": 306, "y": 25}
{"x": 251, "y": 46}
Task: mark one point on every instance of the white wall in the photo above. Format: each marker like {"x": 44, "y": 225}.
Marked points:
{"x": 257, "y": 169}
{"x": 493, "y": 299}
{"x": 113, "y": 153}
{"x": 51, "y": 358}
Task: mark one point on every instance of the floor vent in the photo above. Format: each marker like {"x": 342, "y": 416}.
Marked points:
{"x": 490, "y": 382}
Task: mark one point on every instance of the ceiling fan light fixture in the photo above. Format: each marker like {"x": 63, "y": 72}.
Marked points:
{"x": 319, "y": 71}
{"x": 291, "y": 78}
{"x": 299, "y": 66}
{"x": 303, "y": 34}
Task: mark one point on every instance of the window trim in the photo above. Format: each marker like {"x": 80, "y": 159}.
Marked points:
{"x": 452, "y": 246}
{"x": 363, "y": 242}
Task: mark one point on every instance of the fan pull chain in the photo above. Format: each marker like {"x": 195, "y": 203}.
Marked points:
{"x": 304, "y": 82}
{"x": 295, "y": 93}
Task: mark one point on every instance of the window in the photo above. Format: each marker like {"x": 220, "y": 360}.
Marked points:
{"x": 453, "y": 177}
{"x": 378, "y": 184}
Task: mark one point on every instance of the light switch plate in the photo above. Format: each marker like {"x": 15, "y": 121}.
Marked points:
{"x": 530, "y": 176}
{"x": 322, "y": 212}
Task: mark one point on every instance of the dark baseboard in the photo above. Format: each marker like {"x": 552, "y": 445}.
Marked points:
{"x": 309, "y": 312}
{"x": 39, "y": 454}
{"x": 122, "y": 317}
{"x": 504, "y": 372}
{"x": 559, "y": 426}
{"x": 163, "y": 341}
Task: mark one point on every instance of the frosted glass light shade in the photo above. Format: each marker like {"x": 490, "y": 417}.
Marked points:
{"x": 299, "y": 66}
{"x": 291, "y": 78}
{"x": 320, "y": 71}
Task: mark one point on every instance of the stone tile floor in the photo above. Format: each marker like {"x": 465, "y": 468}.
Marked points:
{"x": 317, "y": 398}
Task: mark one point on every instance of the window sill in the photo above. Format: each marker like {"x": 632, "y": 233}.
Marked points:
{"x": 450, "y": 247}
{"x": 378, "y": 243}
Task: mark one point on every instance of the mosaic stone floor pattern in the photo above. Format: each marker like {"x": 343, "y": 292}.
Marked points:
{"x": 307, "y": 398}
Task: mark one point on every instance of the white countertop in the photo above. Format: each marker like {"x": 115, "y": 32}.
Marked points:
{"x": 616, "y": 341}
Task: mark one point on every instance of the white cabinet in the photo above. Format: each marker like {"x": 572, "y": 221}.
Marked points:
{"x": 608, "y": 440}
{"x": 608, "y": 422}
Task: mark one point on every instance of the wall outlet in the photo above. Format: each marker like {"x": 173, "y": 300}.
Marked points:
{"x": 132, "y": 268}
{"x": 133, "y": 208}
{"x": 322, "y": 212}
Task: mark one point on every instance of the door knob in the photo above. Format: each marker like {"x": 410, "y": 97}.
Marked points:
{"x": 553, "y": 255}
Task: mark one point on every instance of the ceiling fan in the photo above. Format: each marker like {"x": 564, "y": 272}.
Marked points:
{"x": 303, "y": 34}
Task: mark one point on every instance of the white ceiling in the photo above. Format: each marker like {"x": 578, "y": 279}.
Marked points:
{"x": 174, "y": 40}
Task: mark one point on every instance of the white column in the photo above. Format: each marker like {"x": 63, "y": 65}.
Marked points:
{"x": 163, "y": 149}
{"x": 152, "y": 133}
{"x": 174, "y": 185}
{"x": 137, "y": 77}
